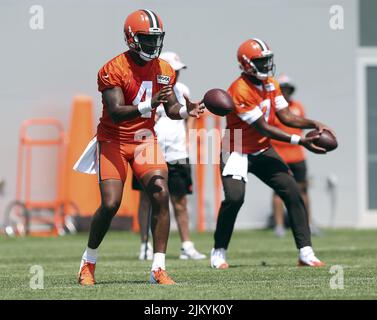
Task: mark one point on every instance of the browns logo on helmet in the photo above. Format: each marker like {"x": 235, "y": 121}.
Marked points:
{"x": 256, "y": 58}
{"x": 144, "y": 34}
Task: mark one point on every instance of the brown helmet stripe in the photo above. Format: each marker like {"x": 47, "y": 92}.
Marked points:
{"x": 261, "y": 44}
{"x": 153, "y": 19}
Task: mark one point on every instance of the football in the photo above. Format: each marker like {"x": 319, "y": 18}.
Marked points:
{"x": 326, "y": 139}
{"x": 219, "y": 102}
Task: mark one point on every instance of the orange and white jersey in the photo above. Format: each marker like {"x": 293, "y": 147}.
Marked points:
{"x": 290, "y": 153}
{"x": 138, "y": 83}
{"x": 251, "y": 102}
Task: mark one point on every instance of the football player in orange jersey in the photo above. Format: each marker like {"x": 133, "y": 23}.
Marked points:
{"x": 172, "y": 136}
{"x": 246, "y": 148}
{"x": 133, "y": 85}
{"x": 294, "y": 157}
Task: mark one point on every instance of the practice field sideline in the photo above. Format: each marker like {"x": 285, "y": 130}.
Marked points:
{"x": 263, "y": 267}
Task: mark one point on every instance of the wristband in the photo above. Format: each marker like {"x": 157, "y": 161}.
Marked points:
{"x": 183, "y": 112}
{"x": 295, "y": 139}
{"x": 144, "y": 107}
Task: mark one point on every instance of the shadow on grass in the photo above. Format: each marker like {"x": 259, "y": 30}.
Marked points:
{"x": 235, "y": 266}
{"x": 125, "y": 282}
{"x": 260, "y": 265}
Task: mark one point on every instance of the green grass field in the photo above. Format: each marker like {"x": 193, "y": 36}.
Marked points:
{"x": 262, "y": 267}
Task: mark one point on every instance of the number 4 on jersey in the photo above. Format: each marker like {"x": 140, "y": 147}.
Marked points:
{"x": 265, "y": 106}
{"x": 146, "y": 86}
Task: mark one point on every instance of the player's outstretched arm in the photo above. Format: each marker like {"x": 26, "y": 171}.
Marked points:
{"x": 174, "y": 110}
{"x": 172, "y": 106}
{"x": 291, "y": 120}
{"x": 194, "y": 109}
{"x": 119, "y": 111}
{"x": 275, "y": 133}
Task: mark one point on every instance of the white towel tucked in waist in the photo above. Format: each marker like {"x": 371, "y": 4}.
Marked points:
{"x": 236, "y": 166}
{"x": 88, "y": 162}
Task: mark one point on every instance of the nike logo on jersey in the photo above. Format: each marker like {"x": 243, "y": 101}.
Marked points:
{"x": 163, "y": 79}
{"x": 106, "y": 76}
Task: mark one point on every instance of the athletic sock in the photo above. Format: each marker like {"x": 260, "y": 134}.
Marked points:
{"x": 187, "y": 245}
{"x": 220, "y": 252}
{"x": 158, "y": 261}
{"x": 90, "y": 255}
{"x": 306, "y": 251}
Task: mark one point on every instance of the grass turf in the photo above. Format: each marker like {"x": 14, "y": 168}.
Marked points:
{"x": 262, "y": 267}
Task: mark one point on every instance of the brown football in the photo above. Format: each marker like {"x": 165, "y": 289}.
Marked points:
{"x": 219, "y": 102}
{"x": 326, "y": 139}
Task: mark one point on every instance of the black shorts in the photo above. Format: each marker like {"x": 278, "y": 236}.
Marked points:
{"x": 299, "y": 170}
{"x": 179, "y": 181}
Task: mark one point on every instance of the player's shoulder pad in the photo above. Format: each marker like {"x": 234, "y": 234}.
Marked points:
{"x": 166, "y": 74}
{"x": 117, "y": 64}
{"x": 166, "y": 67}
{"x": 113, "y": 73}
{"x": 236, "y": 84}
{"x": 240, "y": 88}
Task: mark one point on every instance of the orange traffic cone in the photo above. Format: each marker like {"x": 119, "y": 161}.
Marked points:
{"x": 80, "y": 189}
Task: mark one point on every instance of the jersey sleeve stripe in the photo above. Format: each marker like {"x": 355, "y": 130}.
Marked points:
{"x": 251, "y": 116}
{"x": 280, "y": 103}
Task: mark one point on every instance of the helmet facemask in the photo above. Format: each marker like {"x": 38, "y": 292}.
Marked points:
{"x": 261, "y": 68}
{"x": 148, "y": 46}
{"x": 264, "y": 66}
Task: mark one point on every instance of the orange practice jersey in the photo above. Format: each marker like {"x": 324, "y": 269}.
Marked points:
{"x": 138, "y": 83}
{"x": 290, "y": 153}
{"x": 251, "y": 103}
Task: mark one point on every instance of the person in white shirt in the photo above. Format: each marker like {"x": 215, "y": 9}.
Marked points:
{"x": 172, "y": 138}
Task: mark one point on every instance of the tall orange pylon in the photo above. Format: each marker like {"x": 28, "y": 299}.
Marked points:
{"x": 216, "y": 168}
{"x": 80, "y": 189}
{"x": 201, "y": 168}
{"x": 200, "y": 173}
